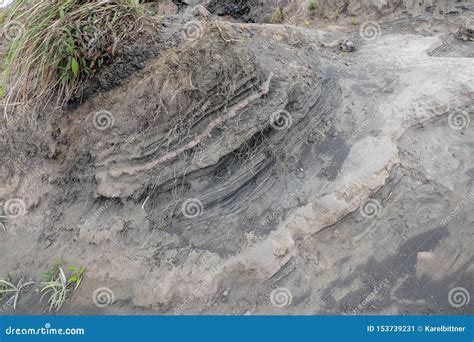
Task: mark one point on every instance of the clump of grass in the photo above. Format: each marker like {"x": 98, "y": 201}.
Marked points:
{"x": 53, "y": 272}
{"x": 314, "y": 8}
{"x": 61, "y": 44}
{"x": 354, "y": 21}
{"x": 7, "y": 287}
{"x": 277, "y": 16}
{"x": 57, "y": 290}
{"x": 57, "y": 286}
{"x": 77, "y": 274}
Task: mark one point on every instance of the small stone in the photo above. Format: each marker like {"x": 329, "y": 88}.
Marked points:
{"x": 424, "y": 255}
{"x": 281, "y": 251}
{"x": 47, "y": 243}
{"x": 225, "y": 296}
{"x": 347, "y": 46}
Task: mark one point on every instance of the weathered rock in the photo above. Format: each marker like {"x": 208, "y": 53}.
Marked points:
{"x": 347, "y": 46}
{"x": 232, "y": 159}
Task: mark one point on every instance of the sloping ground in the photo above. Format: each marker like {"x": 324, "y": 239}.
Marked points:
{"x": 298, "y": 12}
{"x": 246, "y": 168}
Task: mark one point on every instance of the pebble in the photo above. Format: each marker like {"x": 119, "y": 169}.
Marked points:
{"x": 347, "y": 46}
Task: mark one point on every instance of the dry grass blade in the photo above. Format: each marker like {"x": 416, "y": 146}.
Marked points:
{"x": 61, "y": 44}
{"x": 7, "y": 287}
{"x": 56, "y": 289}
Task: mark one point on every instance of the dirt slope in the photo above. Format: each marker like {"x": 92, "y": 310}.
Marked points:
{"x": 242, "y": 168}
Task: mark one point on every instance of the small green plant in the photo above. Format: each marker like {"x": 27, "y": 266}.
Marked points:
{"x": 354, "y": 21}
{"x": 53, "y": 272}
{"x": 77, "y": 274}
{"x": 314, "y": 8}
{"x": 60, "y": 44}
{"x": 277, "y": 16}
{"x": 57, "y": 290}
{"x": 58, "y": 286}
{"x": 7, "y": 287}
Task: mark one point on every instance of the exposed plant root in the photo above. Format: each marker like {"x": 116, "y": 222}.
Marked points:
{"x": 232, "y": 111}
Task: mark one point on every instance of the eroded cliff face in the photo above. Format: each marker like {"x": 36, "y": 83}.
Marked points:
{"x": 262, "y": 11}
{"x": 384, "y": 7}
{"x": 214, "y": 163}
